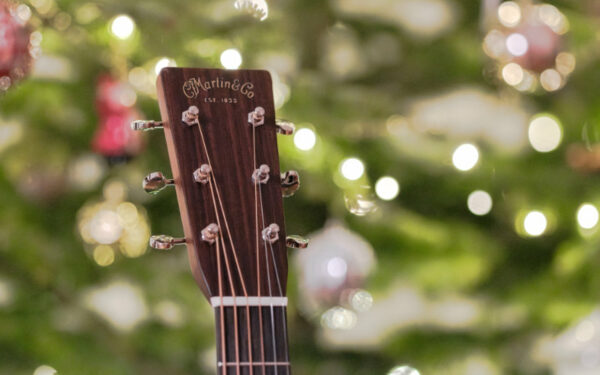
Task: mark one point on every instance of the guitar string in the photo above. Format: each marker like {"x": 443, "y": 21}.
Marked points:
{"x": 274, "y": 339}
{"x": 211, "y": 180}
{"x": 260, "y": 314}
{"x": 280, "y": 290}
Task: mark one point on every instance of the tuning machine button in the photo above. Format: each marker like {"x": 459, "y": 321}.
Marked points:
{"x": 290, "y": 182}
{"x": 257, "y": 117}
{"x": 155, "y": 182}
{"x": 285, "y": 127}
{"x": 164, "y": 242}
{"x": 296, "y": 242}
{"x": 146, "y": 125}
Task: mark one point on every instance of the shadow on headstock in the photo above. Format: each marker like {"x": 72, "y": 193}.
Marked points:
{"x": 221, "y": 135}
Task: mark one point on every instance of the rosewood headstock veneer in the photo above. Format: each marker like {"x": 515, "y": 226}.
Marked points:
{"x": 221, "y": 135}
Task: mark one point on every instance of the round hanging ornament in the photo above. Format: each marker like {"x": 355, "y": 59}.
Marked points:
{"x": 527, "y": 42}
{"x": 16, "y": 49}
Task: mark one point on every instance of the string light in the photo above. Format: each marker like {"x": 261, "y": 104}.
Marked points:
{"x": 404, "y": 370}
{"x": 163, "y": 63}
{"x": 465, "y": 157}
{"x": 352, "y": 169}
{"x": 509, "y": 13}
{"x": 231, "y": 58}
{"x": 361, "y": 300}
{"x": 479, "y": 203}
{"x": 122, "y": 26}
{"x": 513, "y": 74}
{"x": 305, "y": 139}
{"x": 387, "y": 188}
{"x": 337, "y": 267}
{"x": 587, "y": 216}
{"x": 517, "y": 44}
{"x": 44, "y": 370}
{"x": 551, "y": 80}
{"x": 545, "y": 133}
{"x": 535, "y": 223}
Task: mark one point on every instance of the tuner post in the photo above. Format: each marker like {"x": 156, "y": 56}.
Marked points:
{"x": 257, "y": 117}
{"x": 202, "y": 174}
{"x": 210, "y": 233}
{"x": 190, "y": 117}
{"x": 271, "y": 233}
{"x": 164, "y": 242}
{"x": 146, "y": 125}
{"x": 155, "y": 182}
{"x": 261, "y": 174}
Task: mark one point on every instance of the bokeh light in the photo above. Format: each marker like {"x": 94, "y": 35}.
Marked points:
{"x": 513, "y": 74}
{"x": 587, "y": 216}
{"x": 465, "y": 157}
{"x": 361, "y": 300}
{"x": 535, "y": 223}
{"x": 517, "y": 44}
{"x": 387, "y": 188}
{"x": 404, "y": 370}
{"x": 231, "y": 58}
{"x": 162, "y": 63}
{"x": 339, "y": 318}
{"x": 479, "y": 202}
{"x": 509, "y": 13}
{"x": 352, "y": 169}
{"x": 305, "y": 139}
{"x": 44, "y": 370}
{"x": 122, "y": 26}
{"x": 545, "y": 133}
{"x": 551, "y": 80}
{"x": 105, "y": 227}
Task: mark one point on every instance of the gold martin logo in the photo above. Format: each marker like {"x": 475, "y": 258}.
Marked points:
{"x": 192, "y": 87}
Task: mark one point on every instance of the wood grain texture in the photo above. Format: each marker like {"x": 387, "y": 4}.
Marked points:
{"x": 229, "y": 144}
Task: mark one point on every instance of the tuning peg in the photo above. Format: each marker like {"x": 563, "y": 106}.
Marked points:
{"x": 210, "y": 233}
{"x": 164, "y": 242}
{"x": 155, "y": 182}
{"x": 285, "y": 127}
{"x": 190, "y": 117}
{"x": 290, "y": 182}
{"x": 296, "y": 242}
{"x": 145, "y": 125}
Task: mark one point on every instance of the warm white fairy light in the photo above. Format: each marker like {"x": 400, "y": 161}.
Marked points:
{"x": 163, "y": 63}
{"x": 465, "y": 157}
{"x": 231, "y": 58}
{"x": 305, "y": 139}
{"x": 352, "y": 169}
{"x": 513, "y": 74}
{"x": 387, "y": 188}
{"x": 509, "y": 13}
{"x": 545, "y": 133}
{"x": 479, "y": 202}
{"x": 535, "y": 223}
{"x": 551, "y": 80}
{"x": 105, "y": 227}
{"x": 337, "y": 267}
{"x": 403, "y": 370}
{"x": 517, "y": 44}
{"x": 587, "y": 216}
{"x": 122, "y": 26}
{"x": 44, "y": 370}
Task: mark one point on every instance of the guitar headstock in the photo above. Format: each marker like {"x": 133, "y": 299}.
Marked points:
{"x": 221, "y": 135}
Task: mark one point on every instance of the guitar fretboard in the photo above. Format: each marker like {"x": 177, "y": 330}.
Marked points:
{"x": 258, "y": 346}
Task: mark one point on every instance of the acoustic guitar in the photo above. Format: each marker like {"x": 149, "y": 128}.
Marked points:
{"x": 221, "y": 135}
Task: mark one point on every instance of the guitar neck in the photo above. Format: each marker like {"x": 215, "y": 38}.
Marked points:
{"x": 253, "y": 339}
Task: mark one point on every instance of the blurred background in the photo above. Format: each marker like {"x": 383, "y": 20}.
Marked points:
{"x": 449, "y": 159}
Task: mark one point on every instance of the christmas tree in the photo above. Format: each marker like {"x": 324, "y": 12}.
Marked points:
{"x": 448, "y": 157}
